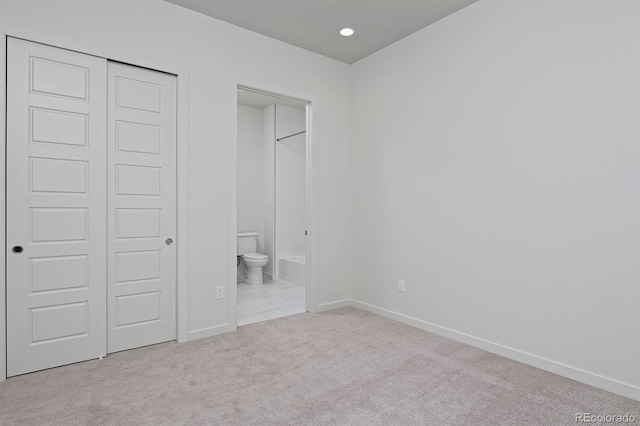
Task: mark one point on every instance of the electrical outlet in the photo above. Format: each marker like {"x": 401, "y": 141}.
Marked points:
{"x": 220, "y": 292}
{"x": 400, "y": 285}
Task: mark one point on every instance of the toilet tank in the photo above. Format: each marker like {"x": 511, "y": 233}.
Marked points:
{"x": 247, "y": 242}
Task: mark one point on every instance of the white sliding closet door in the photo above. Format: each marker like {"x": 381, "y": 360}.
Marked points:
{"x": 141, "y": 301}
{"x": 56, "y": 207}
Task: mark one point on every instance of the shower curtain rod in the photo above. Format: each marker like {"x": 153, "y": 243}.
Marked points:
{"x": 290, "y": 136}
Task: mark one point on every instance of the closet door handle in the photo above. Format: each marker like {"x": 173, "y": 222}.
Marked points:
{"x": 168, "y": 241}
{"x": 17, "y": 249}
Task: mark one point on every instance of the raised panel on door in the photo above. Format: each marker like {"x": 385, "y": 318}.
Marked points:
{"x": 56, "y": 207}
{"x": 141, "y": 267}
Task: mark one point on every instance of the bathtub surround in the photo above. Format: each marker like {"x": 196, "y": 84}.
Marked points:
{"x": 293, "y": 268}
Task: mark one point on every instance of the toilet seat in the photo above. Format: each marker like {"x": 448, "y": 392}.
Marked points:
{"x": 255, "y": 256}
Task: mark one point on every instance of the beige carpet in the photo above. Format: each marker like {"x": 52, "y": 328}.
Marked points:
{"x": 342, "y": 367}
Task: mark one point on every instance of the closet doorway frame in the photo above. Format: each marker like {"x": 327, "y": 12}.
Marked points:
{"x": 313, "y": 191}
{"x": 182, "y": 165}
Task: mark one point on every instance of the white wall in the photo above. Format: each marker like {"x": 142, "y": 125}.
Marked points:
{"x": 495, "y": 169}
{"x": 147, "y": 32}
{"x": 251, "y": 171}
{"x": 291, "y": 182}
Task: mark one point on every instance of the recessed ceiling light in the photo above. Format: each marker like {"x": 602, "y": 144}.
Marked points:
{"x": 347, "y": 31}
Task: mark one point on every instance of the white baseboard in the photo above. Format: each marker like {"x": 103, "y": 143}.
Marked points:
{"x": 593, "y": 379}
{"x": 210, "y": 331}
{"x": 333, "y": 305}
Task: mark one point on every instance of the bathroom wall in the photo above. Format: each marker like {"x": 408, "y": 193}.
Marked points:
{"x": 495, "y": 170}
{"x": 252, "y": 171}
{"x": 291, "y": 186}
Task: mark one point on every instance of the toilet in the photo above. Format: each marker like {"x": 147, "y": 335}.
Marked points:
{"x": 247, "y": 247}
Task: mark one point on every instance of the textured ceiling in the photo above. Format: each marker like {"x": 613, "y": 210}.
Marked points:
{"x": 314, "y": 24}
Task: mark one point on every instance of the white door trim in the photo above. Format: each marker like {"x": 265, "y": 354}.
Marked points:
{"x": 182, "y": 164}
{"x": 3, "y": 206}
{"x": 313, "y": 280}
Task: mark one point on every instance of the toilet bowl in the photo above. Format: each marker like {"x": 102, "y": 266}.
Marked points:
{"x": 254, "y": 263}
{"x": 247, "y": 247}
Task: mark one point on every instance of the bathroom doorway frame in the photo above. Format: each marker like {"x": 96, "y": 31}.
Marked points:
{"x": 312, "y": 174}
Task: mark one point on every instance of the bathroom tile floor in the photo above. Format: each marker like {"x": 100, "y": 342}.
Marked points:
{"x": 273, "y": 299}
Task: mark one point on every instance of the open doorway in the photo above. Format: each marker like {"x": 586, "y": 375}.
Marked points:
{"x": 272, "y": 206}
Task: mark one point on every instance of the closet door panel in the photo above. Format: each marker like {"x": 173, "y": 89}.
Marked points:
{"x": 56, "y": 207}
{"x": 141, "y": 275}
